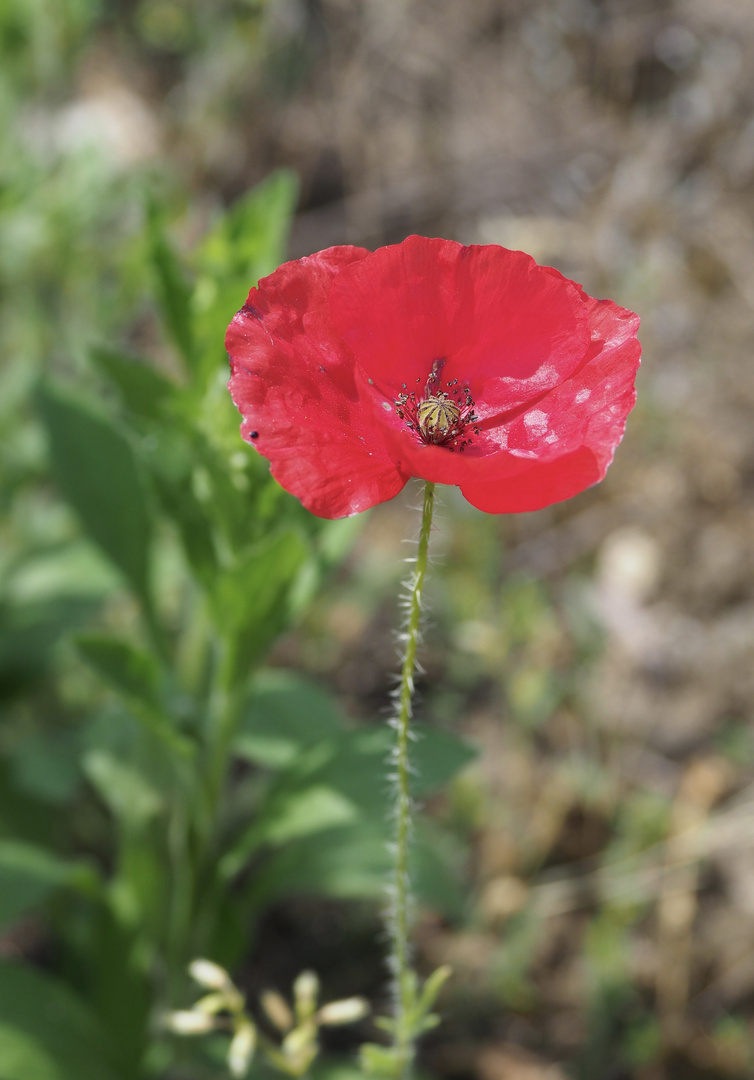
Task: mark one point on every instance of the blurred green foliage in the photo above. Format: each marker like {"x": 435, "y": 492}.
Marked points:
{"x": 158, "y": 788}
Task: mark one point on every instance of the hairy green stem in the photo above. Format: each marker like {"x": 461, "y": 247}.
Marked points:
{"x": 404, "y": 1038}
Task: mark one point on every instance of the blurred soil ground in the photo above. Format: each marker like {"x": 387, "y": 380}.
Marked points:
{"x": 600, "y": 653}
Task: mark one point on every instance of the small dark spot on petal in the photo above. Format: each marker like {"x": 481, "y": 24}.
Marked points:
{"x": 253, "y": 434}
{"x": 251, "y": 312}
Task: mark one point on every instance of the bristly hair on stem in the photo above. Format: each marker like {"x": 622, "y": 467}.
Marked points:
{"x": 400, "y": 906}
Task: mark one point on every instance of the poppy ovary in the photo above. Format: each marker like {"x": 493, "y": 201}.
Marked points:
{"x": 440, "y": 417}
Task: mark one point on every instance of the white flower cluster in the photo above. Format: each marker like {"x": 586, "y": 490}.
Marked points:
{"x": 224, "y": 1009}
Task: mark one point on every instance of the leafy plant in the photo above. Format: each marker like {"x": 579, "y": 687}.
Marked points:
{"x": 213, "y": 787}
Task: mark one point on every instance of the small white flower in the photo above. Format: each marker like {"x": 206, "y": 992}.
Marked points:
{"x": 209, "y": 975}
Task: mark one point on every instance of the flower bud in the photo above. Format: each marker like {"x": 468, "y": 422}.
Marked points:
{"x": 300, "y": 1047}
{"x": 187, "y": 1022}
{"x": 277, "y": 1010}
{"x": 211, "y": 1004}
{"x": 347, "y": 1011}
{"x": 241, "y": 1049}
{"x": 305, "y": 993}
{"x": 209, "y": 975}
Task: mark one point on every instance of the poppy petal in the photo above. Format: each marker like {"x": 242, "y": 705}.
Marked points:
{"x": 292, "y": 378}
{"x": 586, "y": 414}
{"x": 496, "y": 320}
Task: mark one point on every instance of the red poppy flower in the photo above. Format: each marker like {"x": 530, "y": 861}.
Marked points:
{"x": 356, "y": 370}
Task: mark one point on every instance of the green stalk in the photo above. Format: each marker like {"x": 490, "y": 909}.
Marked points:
{"x": 398, "y": 923}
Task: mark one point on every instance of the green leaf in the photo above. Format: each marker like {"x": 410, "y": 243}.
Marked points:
{"x": 356, "y": 764}
{"x": 72, "y": 570}
{"x": 29, "y": 874}
{"x": 432, "y": 987}
{"x": 173, "y": 289}
{"x": 124, "y": 790}
{"x": 136, "y": 675}
{"x": 285, "y": 713}
{"x": 28, "y": 632}
{"x": 380, "y": 1061}
{"x": 436, "y": 756}
{"x": 250, "y": 602}
{"x": 250, "y": 238}
{"x": 143, "y": 390}
{"x": 304, "y": 813}
{"x": 46, "y": 765}
{"x": 352, "y": 767}
{"x": 353, "y": 862}
{"x": 118, "y": 983}
{"x": 180, "y": 503}
{"x": 289, "y": 817}
{"x": 46, "y": 1032}
{"x": 134, "y": 672}
{"x": 248, "y": 242}
{"x": 98, "y": 474}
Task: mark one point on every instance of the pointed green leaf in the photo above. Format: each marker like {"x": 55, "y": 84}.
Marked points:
{"x": 173, "y": 289}
{"x": 285, "y": 713}
{"x": 353, "y": 861}
{"x": 132, "y": 671}
{"x": 247, "y": 243}
{"x": 432, "y": 987}
{"x": 125, "y": 791}
{"x": 98, "y": 474}
{"x": 289, "y": 817}
{"x": 193, "y": 523}
{"x": 355, "y": 762}
{"x": 136, "y": 675}
{"x": 251, "y": 599}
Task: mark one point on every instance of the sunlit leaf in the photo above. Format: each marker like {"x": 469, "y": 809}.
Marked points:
{"x": 285, "y": 713}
